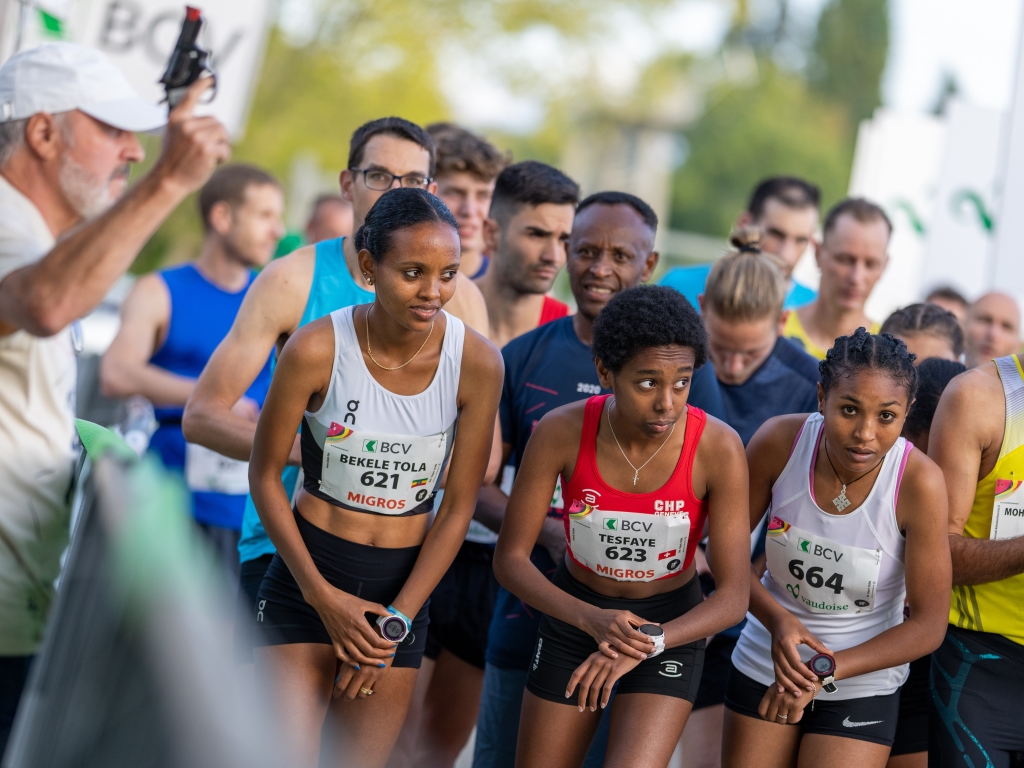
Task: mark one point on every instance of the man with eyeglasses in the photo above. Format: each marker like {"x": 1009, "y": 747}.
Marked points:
{"x": 291, "y": 292}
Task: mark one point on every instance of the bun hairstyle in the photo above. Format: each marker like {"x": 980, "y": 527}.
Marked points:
{"x": 746, "y": 239}
{"x": 745, "y": 284}
{"x": 397, "y": 209}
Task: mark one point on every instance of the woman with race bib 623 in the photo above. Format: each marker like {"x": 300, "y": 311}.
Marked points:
{"x": 856, "y": 523}
{"x": 642, "y": 472}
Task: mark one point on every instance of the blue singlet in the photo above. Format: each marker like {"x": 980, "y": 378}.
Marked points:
{"x": 690, "y": 281}
{"x": 332, "y": 288}
{"x": 201, "y": 316}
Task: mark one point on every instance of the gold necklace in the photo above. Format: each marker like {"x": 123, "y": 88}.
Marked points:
{"x": 636, "y": 470}
{"x": 386, "y": 368}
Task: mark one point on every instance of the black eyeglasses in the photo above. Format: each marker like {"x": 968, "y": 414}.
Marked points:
{"x": 381, "y": 181}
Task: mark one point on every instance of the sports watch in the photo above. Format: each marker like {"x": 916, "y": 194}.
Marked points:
{"x": 657, "y": 635}
{"x": 394, "y": 627}
{"x": 824, "y": 666}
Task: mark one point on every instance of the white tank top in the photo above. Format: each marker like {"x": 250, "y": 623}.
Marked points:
{"x": 371, "y": 450}
{"x": 841, "y": 575}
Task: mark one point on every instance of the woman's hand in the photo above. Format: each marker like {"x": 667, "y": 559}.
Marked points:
{"x": 616, "y": 631}
{"x": 352, "y": 682}
{"x": 356, "y": 641}
{"x": 784, "y": 708}
{"x": 791, "y": 674}
{"x": 596, "y": 676}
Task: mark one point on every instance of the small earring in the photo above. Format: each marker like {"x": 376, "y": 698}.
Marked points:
{"x": 368, "y": 279}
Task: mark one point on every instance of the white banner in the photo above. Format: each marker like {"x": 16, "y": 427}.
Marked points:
{"x": 138, "y": 36}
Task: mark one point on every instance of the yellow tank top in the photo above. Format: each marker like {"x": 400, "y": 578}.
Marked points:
{"x": 999, "y": 605}
{"x": 794, "y": 329}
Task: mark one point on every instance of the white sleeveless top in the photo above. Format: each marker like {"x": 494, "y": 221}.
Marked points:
{"x": 841, "y": 575}
{"x": 371, "y": 450}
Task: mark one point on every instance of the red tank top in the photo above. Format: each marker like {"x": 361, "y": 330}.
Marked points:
{"x": 633, "y": 536}
{"x": 552, "y": 309}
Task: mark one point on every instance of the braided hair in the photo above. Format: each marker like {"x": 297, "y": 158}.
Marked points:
{"x": 927, "y": 319}
{"x": 397, "y": 209}
{"x": 863, "y": 350}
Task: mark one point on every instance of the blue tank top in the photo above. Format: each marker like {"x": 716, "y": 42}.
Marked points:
{"x": 332, "y": 288}
{"x": 201, "y": 316}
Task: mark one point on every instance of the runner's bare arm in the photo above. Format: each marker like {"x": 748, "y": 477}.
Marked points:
{"x": 921, "y": 511}
{"x": 479, "y": 392}
{"x": 302, "y": 381}
{"x": 70, "y": 280}
{"x": 964, "y": 441}
{"x": 722, "y": 465}
{"x": 125, "y": 369}
{"x": 551, "y": 451}
{"x": 271, "y": 311}
{"x": 767, "y": 456}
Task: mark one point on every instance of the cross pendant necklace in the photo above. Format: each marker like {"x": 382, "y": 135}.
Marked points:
{"x": 840, "y": 501}
{"x": 636, "y": 470}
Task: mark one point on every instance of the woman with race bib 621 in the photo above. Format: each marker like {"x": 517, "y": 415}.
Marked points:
{"x": 642, "y": 472}
{"x": 379, "y": 390}
{"x": 857, "y": 523}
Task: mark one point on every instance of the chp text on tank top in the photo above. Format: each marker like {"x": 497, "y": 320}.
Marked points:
{"x": 998, "y": 513}
{"x": 633, "y": 536}
{"x": 841, "y": 575}
{"x": 371, "y": 450}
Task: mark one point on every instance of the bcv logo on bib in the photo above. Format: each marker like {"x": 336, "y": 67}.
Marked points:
{"x": 386, "y": 474}
{"x": 822, "y": 575}
{"x": 628, "y": 546}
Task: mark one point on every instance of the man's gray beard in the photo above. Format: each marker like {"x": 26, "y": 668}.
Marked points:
{"x": 88, "y": 196}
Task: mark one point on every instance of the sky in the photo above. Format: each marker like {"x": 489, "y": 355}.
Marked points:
{"x": 976, "y": 41}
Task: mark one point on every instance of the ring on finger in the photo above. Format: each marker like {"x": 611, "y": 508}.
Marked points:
{"x": 366, "y": 691}
{"x": 782, "y": 717}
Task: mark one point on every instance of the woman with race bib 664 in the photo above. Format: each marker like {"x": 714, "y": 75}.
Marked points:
{"x": 857, "y": 523}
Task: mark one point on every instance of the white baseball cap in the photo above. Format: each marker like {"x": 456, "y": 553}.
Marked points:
{"x": 58, "y": 77}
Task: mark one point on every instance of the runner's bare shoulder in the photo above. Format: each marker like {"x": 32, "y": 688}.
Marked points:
{"x": 773, "y": 442}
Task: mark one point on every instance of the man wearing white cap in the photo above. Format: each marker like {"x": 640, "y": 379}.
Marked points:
{"x": 67, "y": 123}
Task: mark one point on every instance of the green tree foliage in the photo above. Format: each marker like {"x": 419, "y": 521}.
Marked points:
{"x": 849, "y": 54}
{"x": 775, "y": 126}
{"x": 372, "y": 58}
{"x": 792, "y": 121}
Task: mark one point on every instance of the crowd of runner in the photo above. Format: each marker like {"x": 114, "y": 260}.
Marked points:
{"x": 493, "y": 532}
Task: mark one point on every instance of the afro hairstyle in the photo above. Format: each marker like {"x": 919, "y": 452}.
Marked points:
{"x": 643, "y": 317}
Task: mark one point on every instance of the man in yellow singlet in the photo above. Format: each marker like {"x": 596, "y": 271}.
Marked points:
{"x": 852, "y": 255}
{"x": 977, "y": 677}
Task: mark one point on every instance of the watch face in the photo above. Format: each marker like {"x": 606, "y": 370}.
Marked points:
{"x": 393, "y": 628}
{"x": 823, "y": 665}
{"x": 652, "y": 630}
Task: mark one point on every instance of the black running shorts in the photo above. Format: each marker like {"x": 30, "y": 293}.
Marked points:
{"x": 976, "y": 706}
{"x": 372, "y": 573}
{"x": 871, "y": 718}
{"x": 462, "y": 604}
{"x": 249, "y": 579}
{"x": 561, "y": 647}
{"x": 912, "y": 727}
